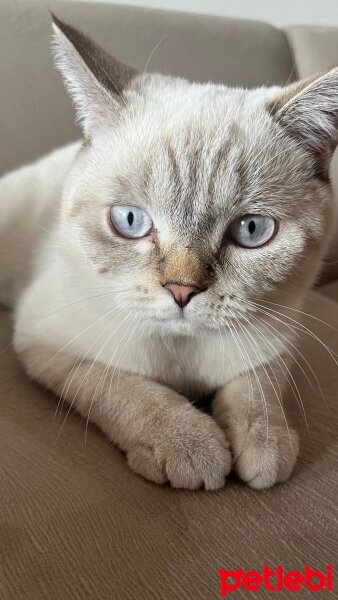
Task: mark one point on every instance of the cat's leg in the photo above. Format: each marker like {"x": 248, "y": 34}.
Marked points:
{"x": 250, "y": 411}
{"x": 164, "y": 437}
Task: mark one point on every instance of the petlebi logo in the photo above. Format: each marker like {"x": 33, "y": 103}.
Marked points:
{"x": 276, "y": 580}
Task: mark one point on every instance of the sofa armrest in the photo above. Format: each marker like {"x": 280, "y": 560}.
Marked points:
{"x": 315, "y": 49}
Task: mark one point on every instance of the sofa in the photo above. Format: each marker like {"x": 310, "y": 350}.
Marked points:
{"x": 75, "y": 522}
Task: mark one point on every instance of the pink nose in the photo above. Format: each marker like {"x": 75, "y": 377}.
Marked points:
{"x": 182, "y": 293}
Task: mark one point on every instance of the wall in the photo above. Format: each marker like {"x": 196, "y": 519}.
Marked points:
{"x": 277, "y": 12}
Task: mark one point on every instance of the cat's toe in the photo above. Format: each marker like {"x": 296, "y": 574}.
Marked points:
{"x": 262, "y": 464}
{"x": 200, "y": 458}
{"x": 189, "y": 454}
{"x": 142, "y": 460}
{"x": 203, "y": 468}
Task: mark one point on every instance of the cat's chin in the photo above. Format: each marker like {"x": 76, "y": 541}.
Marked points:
{"x": 180, "y": 325}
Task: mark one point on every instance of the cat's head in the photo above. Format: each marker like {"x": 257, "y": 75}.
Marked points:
{"x": 195, "y": 201}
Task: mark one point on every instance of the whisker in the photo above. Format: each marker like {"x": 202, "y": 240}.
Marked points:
{"x": 76, "y": 337}
{"x": 109, "y": 365}
{"x": 258, "y": 384}
{"x": 76, "y": 302}
{"x": 247, "y": 369}
{"x": 153, "y": 52}
{"x": 283, "y": 365}
{"x": 268, "y": 326}
{"x": 300, "y": 326}
{"x": 103, "y": 380}
{"x": 144, "y": 324}
{"x": 121, "y": 354}
{"x": 302, "y": 313}
{"x": 38, "y": 225}
{"x": 76, "y": 366}
{"x": 278, "y": 396}
{"x": 92, "y": 363}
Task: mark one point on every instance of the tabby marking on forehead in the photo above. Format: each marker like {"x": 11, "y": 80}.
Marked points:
{"x": 173, "y": 159}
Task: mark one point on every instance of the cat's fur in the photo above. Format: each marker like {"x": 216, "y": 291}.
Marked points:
{"x": 93, "y": 321}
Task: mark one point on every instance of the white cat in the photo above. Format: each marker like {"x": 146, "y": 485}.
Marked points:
{"x": 143, "y": 263}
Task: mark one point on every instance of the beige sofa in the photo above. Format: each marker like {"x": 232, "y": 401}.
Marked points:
{"x": 75, "y": 523}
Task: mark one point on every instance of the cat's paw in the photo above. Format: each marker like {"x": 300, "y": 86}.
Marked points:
{"x": 190, "y": 451}
{"x": 264, "y": 448}
{"x": 266, "y": 458}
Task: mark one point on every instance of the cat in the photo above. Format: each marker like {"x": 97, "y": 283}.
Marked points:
{"x": 143, "y": 262}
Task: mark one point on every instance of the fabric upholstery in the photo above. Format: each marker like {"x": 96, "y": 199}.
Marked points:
{"x": 75, "y": 523}
{"x": 314, "y": 49}
{"x": 330, "y": 290}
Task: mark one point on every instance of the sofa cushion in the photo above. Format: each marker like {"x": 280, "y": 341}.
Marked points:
{"x": 77, "y": 523}
{"x": 330, "y": 290}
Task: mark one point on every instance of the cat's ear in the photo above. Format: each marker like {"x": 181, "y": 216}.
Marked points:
{"x": 308, "y": 110}
{"x": 95, "y": 80}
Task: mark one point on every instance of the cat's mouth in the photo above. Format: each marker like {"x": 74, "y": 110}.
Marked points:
{"x": 183, "y": 323}
{"x": 178, "y": 322}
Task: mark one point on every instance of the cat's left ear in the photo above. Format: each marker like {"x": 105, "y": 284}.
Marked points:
{"x": 94, "y": 79}
{"x": 308, "y": 110}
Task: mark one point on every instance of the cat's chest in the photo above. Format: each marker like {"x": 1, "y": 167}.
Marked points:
{"x": 192, "y": 366}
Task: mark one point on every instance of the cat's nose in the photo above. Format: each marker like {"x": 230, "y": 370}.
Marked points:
{"x": 182, "y": 293}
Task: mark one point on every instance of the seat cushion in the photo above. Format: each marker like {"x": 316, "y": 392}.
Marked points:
{"x": 330, "y": 290}
{"x": 77, "y": 523}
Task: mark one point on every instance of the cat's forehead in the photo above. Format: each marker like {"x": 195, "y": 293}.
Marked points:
{"x": 194, "y": 166}
{"x": 195, "y": 159}
{"x": 185, "y": 177}
{"x": 196, "y": 131}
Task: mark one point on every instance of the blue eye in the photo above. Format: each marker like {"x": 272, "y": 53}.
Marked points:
{"x": 252, "y": 231}
{"x": 130, "y": 221}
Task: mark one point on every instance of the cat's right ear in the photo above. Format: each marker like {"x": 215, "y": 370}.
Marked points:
{"x": 94, "y": 79}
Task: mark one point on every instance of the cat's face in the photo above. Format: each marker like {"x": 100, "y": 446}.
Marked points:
{"x": 195, "y": 201}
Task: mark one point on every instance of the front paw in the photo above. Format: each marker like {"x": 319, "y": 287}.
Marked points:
{"x": 189, "y": 450}
{"x": 264, "y": 453}
{"x": 267, "y": 456}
